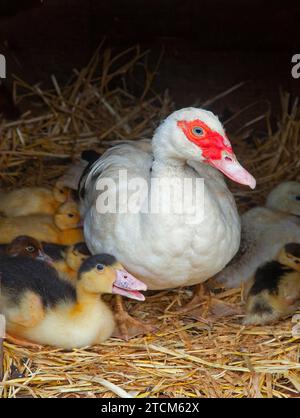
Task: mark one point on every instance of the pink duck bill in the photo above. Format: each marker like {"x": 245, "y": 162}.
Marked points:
{"x": 230, "y": 166}
{"x": 127, "y": 285}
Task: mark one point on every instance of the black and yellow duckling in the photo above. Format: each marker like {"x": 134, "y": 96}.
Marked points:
{"x": 275, "y": 288}
{"x": 61, "y": 228}
{"x": 33, "y": 200}
{"x": 67, "y": 259}
{"x": 42, "y": 308}
{"x": 23, "y": 246}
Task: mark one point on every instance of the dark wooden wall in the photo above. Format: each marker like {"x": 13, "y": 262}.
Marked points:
{"x": 209, "y": 44}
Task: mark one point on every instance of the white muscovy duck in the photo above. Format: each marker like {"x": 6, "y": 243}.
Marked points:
{"x": 166, "y": 250}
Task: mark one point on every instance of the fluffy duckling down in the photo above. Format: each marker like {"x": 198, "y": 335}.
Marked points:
{"x": 42, "y": 308}
{"x": 265, "y": 230}
{"x": 26, "y": 246}
{"x": 33, "y": 200}
{"x": 60, "y": 228}
{"x": 275, "y": 288}
{"x": 20, "y": 248}
{"x": 67, "y": 259}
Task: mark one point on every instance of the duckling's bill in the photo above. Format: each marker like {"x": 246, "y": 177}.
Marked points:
{"x": 127, "y": 285}
{"x": 44, "y": 257}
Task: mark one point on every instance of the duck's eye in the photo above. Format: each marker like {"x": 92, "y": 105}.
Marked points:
{"x": 30, "y": 249}
{"x": 70, "y": 215}
{"x": 61, "y": 191}
{"x": 100, "y": 267}
{"x": 297, "y": 197}
{"x": 198, "y": 131}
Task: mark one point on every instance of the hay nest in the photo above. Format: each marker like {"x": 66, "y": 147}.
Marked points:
{"x": 205, "y": 352}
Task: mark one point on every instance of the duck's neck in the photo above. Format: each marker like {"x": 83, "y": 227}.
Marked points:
{"x": 164, "y": 149}
{"x": 86, "y": 298}
{"x": 166, "y": 160}
{"x": 167, "y": 166}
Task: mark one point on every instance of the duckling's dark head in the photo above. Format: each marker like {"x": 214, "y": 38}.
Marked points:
{"x": 290, "y": 255}
{"x": 293, "y": 249}
{"x": 26, "y": 246}
{"x": 82, "y": 248}
{"x": 76, "y": 254}
{"x": 103, "y": 274}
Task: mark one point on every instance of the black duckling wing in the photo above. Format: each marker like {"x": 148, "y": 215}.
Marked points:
{"x": 268, "y": 276}
{"x": 19, "y": 274}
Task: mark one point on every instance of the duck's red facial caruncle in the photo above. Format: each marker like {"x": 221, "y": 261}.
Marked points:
{"x": 216, "y": 150}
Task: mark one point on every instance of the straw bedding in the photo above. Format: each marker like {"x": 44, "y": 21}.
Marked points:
{"x": 204, "y": 352}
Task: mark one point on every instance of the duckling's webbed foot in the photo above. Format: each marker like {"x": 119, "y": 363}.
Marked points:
{"x": 127, "y": 326}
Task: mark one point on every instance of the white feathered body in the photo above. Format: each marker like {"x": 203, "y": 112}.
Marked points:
{"x": 163, "y": 250}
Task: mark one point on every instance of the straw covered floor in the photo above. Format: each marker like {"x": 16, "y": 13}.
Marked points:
{"x": 205, "y": 352}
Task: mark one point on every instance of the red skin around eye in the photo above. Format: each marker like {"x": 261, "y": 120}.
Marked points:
{"x": 211, "y": 142}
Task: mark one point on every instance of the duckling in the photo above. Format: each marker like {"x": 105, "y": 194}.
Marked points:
{"x": 62, "y": 228}
{"x": 42, "y": 308}
{"x": 33, "y": 200}
{"x": 275, "y": 288}
{"x": 67, "y": 259}
{"x": 26, "y": 246}
{"x": 265, "y": 230}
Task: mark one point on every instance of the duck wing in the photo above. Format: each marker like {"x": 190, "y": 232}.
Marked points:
{"x": 133, "y": 157}
{"x": 115, "y": 168}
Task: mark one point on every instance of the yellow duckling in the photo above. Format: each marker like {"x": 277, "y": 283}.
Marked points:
{"x": 42, "y": 308}
{"x": 32, "y": 200}
{"x": 275, "y": 288}
{"x": 67, "y": 259}
{"x": 60, "y": 228}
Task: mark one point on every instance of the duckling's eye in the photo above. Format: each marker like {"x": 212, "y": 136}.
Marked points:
{"x": 70, "y": 215}
{"x": 61, "y": 191}
{"x": 297, "y": 197}
{"x": 198, "y": 131}
{"x": 100, "y": 267}
{"x": 30, "y": 249}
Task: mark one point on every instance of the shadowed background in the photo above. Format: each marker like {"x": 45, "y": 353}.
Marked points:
{"x": 208, "y": 46}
